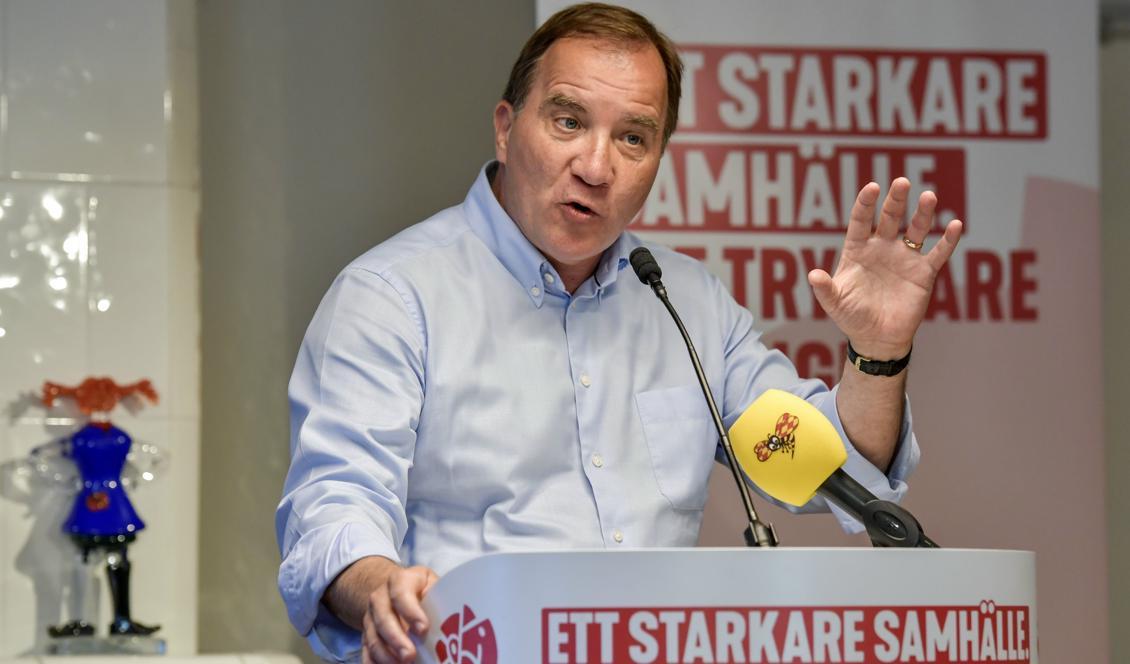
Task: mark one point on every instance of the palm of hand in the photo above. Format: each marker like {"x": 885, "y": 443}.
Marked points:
{"x": 882, "y": 286}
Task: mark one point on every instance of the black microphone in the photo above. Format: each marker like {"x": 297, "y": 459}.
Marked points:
{"x": 758, "y": 533}
{"x": 888, "y": 524}
{"x": 645, "y": 266}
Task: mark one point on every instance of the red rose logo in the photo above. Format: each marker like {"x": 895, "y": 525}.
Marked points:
{"x": 466, "y": 640}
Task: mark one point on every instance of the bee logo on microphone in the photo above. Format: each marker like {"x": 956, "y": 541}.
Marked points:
{"x": 783, "y": 438}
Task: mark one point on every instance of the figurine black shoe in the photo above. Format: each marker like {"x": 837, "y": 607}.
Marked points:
{"x": 123, "y": 627}
{"x": 73, "y": 628}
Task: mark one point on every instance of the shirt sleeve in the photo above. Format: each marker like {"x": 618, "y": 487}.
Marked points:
{"x": 355, "y": 399}
{"x": 752, "y": 368}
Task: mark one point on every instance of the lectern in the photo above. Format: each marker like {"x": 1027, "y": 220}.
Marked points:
{"x": 736, "y": 605}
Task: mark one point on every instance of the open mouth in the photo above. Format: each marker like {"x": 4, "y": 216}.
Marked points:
{"x": 587, "y": 211}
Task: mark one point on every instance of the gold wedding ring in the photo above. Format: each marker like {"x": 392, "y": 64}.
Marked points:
{"x": 917, "y": 246}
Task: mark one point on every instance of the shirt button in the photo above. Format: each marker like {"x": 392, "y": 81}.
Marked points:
{"x": 618, "y": 536}
{"x": 535, "y": 291}
{"x": 585, "y": 380}
{"x": 598, "y": 461}
{"x": 548, "y": 278}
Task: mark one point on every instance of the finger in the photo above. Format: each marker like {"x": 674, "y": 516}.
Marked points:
{"x": 389, "y": 628}
{"x": 863, "y": 213}
{"x": 373, "y": 648}
{"x": 894, "y": 209}
{"x": 824, "y": 288}
{"x": 405, "y": 590}
{"x": 923, "y": 217}
{"x": 366, "y": 658}
{"x": 945, "y": 246}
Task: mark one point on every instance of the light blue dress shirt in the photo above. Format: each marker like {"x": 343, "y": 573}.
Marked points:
{"x": 451, "y": 399}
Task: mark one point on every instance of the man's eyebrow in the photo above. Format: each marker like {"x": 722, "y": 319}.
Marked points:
{"x": 563, "y": 101}
{"x": 560, "y": 100}
{"x": 645, "y": 121}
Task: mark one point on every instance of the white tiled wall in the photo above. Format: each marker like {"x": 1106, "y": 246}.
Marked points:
{"x": 98, "y": 276}
{"x": 86, "y": 85}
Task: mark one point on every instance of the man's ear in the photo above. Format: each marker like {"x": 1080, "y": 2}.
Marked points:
{"x": 504, "y": 114}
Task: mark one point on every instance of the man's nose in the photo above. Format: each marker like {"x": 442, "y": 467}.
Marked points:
{"x": 594, "y": 164}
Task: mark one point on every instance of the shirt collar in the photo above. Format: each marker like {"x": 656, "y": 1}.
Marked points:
{"x": 615, "y": 258}
{"x": 505, "y": 240}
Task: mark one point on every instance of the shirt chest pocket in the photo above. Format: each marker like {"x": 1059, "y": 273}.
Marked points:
{"x": 681, "y": 441}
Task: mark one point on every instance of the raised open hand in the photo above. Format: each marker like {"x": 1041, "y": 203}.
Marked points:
{"x": 883, "y": 281}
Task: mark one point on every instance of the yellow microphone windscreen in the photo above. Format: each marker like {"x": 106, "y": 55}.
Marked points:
{"x": 786, "y": 446}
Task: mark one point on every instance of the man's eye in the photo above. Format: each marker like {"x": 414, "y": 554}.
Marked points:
{"x": 568, "y": 123}
{"x": 634, "y": 139}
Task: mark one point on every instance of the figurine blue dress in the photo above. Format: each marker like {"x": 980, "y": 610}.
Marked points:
{"x": 101, "y": 508}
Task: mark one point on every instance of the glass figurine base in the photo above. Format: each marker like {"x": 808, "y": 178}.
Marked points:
{"x": 106, "y": 645}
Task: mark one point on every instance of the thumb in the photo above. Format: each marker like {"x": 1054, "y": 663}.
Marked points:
{"x": 421, "y": 579}
{"x": 432, "y": 577}
{"x": 407, "y": 590}
{"x": 824, "y": 288}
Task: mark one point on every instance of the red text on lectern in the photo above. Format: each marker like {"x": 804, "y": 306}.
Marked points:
{"x": 941, "y": 634}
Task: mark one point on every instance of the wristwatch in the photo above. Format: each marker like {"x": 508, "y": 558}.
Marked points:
{"x": 877, "y": 367}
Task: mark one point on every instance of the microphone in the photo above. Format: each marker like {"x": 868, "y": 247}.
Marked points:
{"x": 758, "y": 533}
{"x": 793, "y": 452}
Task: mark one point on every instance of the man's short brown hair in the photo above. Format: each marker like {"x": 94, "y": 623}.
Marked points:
{"x": 598, "y": 21}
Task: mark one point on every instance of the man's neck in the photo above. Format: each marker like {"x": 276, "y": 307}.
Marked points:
{"x": 572, "y": 276}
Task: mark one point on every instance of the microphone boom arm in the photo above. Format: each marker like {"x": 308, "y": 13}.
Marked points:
{"x": 758, "y": 533}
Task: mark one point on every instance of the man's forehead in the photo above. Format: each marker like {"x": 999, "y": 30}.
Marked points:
{"x": 622, "y": 53}
{"x": 573, "y": 64}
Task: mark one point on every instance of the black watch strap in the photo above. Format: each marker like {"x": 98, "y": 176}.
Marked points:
{"x": 877, "y": 367}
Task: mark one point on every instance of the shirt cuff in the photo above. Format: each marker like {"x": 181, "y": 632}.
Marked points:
{"x": 310, "y": 567}
{"x": 332, "y": 640}
{"x": 890, "y": 486}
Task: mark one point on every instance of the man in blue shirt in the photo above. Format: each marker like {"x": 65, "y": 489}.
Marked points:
{"x": 495, "y": 378}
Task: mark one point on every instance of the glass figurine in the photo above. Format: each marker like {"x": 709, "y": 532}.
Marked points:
{"x": 102, "y": 520}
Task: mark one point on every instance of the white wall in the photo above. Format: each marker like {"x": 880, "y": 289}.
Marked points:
{"x": 98, "y": 276}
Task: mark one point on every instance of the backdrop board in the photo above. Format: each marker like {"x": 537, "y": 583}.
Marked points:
{"x": 788, "y": 109}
